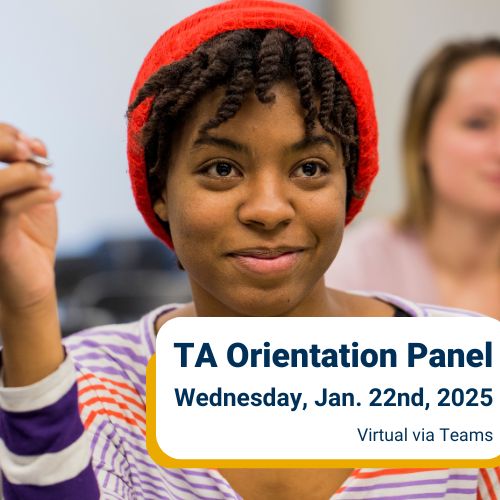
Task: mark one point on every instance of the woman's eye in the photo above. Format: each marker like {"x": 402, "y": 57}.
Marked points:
{"x": 221, "y": 169}
{"x": 476, "y": 123}
{"x": 309, "y": 169}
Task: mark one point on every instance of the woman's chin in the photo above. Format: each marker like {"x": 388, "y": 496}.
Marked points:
{"x": 265, "y": 303}
{"x": 260, "y": 298}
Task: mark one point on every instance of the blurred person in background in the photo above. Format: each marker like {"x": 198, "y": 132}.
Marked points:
{"x": 445, "y": 246}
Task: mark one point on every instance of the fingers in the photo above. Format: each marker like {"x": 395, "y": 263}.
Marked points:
{"x": 22, "y": 176}
{"x": 17, "y": 146}
{"x": 22, "y": 186}
{"x": 38, "y": 147}
{"x": 17, "y": 203}
{"x": 11, "y": 147}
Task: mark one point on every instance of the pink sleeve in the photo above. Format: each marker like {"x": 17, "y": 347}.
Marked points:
{"x": 376, "y": 256}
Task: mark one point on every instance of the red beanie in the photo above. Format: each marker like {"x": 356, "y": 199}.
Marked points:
{"x": 186, "y": 36}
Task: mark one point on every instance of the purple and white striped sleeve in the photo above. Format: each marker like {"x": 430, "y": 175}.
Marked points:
{"x": 44, "y": 449}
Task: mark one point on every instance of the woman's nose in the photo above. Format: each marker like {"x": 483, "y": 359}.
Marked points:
{"x": 267, "y": 203}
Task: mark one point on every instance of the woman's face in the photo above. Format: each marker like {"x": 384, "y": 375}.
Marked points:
{"x": 256, "y": 210}
{"x": 463, "y": 147}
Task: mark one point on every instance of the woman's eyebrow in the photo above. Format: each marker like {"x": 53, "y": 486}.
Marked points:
{"x": 209, "y": 140}
{"x": 480, "y": 109}
{"x": 306, "y": 142}
{"x": 312, "y": 140}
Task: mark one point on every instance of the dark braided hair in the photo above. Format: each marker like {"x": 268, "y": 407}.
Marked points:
{"x": 241, "y": 61}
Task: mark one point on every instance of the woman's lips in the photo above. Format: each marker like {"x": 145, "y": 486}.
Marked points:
{"x": 266, "y": 264}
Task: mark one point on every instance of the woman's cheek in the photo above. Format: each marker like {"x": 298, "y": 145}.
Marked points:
{"x": 194, "y": 224}
{"x": 326, "y": 219}
{"x": 453, "y": 162}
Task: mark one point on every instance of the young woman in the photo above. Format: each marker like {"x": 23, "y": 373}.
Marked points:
{"x": 252, "y": 141}
{"x": 445, "y": 247}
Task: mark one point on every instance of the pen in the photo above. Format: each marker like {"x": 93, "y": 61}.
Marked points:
{"x": 40, "y": 160}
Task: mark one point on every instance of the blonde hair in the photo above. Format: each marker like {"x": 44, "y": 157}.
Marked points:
{"x": 427, "y": 92}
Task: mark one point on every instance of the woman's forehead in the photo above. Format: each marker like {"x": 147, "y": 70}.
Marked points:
{"x": 476, "y": 80}
{"x": 282, "y": 120}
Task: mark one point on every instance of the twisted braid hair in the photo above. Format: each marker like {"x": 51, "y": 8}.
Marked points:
{"x": 240, "y": 61}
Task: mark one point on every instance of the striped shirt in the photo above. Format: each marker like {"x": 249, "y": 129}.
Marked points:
{"x": 80, "y": 433}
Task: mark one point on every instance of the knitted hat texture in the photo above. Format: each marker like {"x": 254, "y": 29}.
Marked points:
{"x": 187, "y": 35}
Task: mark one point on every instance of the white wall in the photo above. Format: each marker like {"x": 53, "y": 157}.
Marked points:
{"x": 66, "y": 72}
{"x": 393, "y": 38}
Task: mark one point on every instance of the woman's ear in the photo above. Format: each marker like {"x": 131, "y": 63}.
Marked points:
{"x": 160, "y": 207}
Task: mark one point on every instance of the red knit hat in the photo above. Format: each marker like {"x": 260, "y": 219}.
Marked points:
{"x": 186, "y": 36}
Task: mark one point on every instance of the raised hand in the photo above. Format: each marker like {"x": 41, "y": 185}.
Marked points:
{"x": 28, "y": 235}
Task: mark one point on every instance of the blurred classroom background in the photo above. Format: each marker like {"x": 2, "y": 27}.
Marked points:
{"x": 67, "y": 69}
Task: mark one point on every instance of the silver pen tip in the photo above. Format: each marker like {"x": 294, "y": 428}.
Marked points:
{"x": 41, "y": 160}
